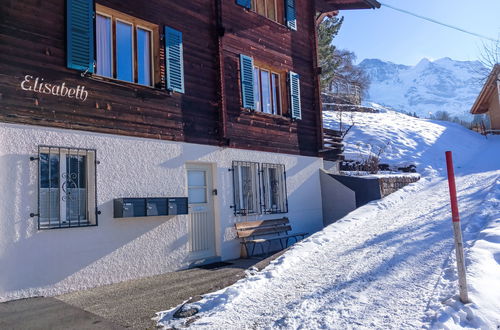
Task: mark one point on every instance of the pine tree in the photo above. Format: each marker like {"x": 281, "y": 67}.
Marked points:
{"x": 328, "y": 62}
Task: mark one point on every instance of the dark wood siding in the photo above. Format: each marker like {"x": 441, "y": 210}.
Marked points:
{"x": 33, "y": 42}
{"x": 267, "y": 41}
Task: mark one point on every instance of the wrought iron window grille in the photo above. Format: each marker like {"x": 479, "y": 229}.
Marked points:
{"x": 274, "y": 190}
{"x": 246, "y": 188}
{"x": 259, "y": 188}
{"x": 67, "y": 187}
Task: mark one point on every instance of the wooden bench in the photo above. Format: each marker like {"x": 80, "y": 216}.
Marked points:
{"x": 265, "y": 231}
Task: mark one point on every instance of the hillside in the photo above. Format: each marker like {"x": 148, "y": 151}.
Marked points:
{"x": 428, "y": 87}
{"x": 405, "y": 140}
{"x": 389, "y": 264}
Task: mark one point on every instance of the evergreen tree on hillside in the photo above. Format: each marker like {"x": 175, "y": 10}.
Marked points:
{"x": 327, "y": 59}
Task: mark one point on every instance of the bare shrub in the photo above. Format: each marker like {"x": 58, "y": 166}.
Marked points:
{"x": 370, "y": 162}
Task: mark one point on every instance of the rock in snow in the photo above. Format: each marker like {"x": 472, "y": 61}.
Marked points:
{"x": 389, "y": 264}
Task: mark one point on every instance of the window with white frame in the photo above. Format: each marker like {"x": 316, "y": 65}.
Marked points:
{"x": 66, "y": 187}
{"x": 125, "y": 47}
{"x": 274, "y": 188}
{"x": 246, "y": 188}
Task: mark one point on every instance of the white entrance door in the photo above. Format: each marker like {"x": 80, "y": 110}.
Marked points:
{"x": 201, "y": 210}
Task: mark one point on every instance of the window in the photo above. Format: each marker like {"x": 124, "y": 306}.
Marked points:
{"x": 66, "y": 187}
{"x": 246, "y": 188}
{"x": 111, "y": 44}
{"x": 280, "y": 11}
{"x": 268, "y": 90}
{"x": 272, "y": 9}
{"x": 126, "y": 47}
{"x": 274, "y": 188}
{"x": 197, "y": 187}
{"x": 263, "y": 89}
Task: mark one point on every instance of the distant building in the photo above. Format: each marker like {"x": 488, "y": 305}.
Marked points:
{"x": 488, "y": 103}
{"x": 343, "y": 93}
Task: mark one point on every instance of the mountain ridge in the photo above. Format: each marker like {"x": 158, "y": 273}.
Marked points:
{"x": 427, "y": 87}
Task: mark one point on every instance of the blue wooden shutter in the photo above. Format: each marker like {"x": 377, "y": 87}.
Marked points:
{"x": 246, "y": 78}
{"x": 174, "y": 59}
{"x": 294, "y": 80}
{"x": 80, "y": 34}
{"x": 290, "y": 12}
{"x": 244, "y": 3}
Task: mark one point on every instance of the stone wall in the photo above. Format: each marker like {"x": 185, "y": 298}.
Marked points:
{"x": 388, "y": 185}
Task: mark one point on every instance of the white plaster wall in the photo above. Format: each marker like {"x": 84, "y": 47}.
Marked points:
{"x": 50, "y": 262}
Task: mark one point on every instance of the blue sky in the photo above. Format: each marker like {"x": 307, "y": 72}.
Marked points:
{"x": 400, "y": 38}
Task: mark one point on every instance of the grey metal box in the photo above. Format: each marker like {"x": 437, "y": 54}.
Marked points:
{"x": 178, "y": 205}
{"x": 141, "y": 207}
{"x": 129, "y": 207}
{"x": 156, "y": 206}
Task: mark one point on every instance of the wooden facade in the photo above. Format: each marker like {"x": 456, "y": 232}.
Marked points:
{"x": 215, "y": 32}
{"x": 488, "y": 102}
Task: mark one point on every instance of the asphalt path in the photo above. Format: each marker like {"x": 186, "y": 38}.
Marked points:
{"x": 130, "y": 304}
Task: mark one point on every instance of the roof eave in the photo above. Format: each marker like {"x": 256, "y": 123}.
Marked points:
{"x": 480, "y": 105}
{"x": 332, "y": 5}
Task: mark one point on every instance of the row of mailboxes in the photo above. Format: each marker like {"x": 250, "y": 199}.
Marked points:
{"x": 147, "y": 207}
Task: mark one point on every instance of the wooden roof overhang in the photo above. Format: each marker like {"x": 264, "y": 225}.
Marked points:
{"x": 482, "y": 103}
{"x": 323, "y": 6}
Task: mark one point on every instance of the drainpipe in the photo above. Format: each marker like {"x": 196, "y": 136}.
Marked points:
{"x": 220, "y": 30}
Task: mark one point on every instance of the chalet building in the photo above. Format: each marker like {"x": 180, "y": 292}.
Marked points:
{"x": 487, "y": 103}
{"x": 135, "y": 134}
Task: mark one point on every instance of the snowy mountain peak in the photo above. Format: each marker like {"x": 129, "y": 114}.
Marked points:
{"x": 429, "y": 86}
{"x": 423, "y": 62}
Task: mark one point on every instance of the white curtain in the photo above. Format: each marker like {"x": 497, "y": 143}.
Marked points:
{"x": 103, "y": 35}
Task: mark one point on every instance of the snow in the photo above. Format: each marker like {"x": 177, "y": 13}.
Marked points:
{"x": 390, "y": 263}
{"x": 406, "y": 140}
{"x": 428, "y": 87}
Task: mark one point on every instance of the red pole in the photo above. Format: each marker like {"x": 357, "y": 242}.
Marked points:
{"x": 453, "y": 189}
{"x": 459, "y": 248}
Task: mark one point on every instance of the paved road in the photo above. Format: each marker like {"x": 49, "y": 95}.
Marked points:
{"x": 130, "y": 304}
{"x": 49, "y": 313}
{"x": 134, "y": 303}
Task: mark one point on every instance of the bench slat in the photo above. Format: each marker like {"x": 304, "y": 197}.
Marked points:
{"x": 262, "y": 240}
{"x": 261, "y": 223}
{"x": 263, "y": 231}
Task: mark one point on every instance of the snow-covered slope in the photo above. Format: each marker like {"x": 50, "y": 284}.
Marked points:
{"x": 404, "y": 139}
{"x": 427, "y": 87}
{"x": 389, "y": 264}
